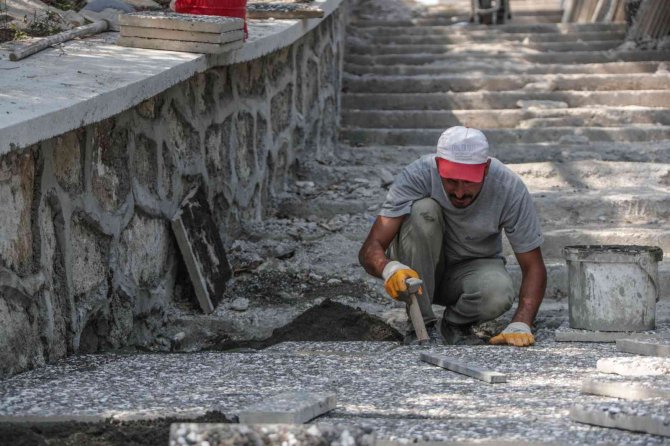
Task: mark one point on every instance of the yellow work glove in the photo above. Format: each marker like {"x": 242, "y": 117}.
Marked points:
{"x": 516, "y": 333}
{"x": 395, "y": 274}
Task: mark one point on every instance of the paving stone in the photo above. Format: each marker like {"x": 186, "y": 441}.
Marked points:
{"x": 634, "y": 366}
{"x": 639, "y": 416}
{"x": 186, "y": 36}
{"x": 178, "y": 45}
{"x": 181, "y": 22}
{"x": 202, "y": 250}
{"x": 354, "y": 348}
{"x": 658, "y": 347}
{"x": 567, "y": 334}
{"x": 627, "y": 387}
{"x": 290, "y": 407}
{"x": 464, "y": 369}
{"x": 270, "y": 434}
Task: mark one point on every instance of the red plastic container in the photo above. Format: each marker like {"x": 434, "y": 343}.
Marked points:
{"x": 226, "y": 8}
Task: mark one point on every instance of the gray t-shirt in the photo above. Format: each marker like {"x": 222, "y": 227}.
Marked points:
{"x": 474, "y": 231}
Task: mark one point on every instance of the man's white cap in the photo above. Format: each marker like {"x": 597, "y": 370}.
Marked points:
{"x": 462, "y": 153}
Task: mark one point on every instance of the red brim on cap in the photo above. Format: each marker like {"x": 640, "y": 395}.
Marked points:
{"x": 457, "y": 171}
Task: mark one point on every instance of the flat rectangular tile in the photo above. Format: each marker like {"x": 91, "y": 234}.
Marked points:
{"x": 178, "y": 45}
{"x": 271, "y": 434}
{"x": 289, "y": 407}
{"x": 186, "y": 36}
{"x": 464, "y": 368}
{"x": 201, "y": 249}
{"x": 637, "y": 416}
{"x": 655, "y": 347}
{"x": 566, "y": 334}
{"x": 635, "y": 365}
{"x": 182, "y": 22}
{"x": 629, "y": 388}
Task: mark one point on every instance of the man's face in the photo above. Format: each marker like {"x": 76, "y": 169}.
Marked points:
{"x": 461, "y": 193}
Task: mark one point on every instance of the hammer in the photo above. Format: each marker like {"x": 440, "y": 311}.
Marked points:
{"x": 415, "y": 315}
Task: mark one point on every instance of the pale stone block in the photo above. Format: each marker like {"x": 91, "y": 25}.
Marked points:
{"x": 289, "y": 407}
{"x": 648, "y": 347}
{"x": 652, "y": 418}
{"x": 182, "y": 22}
{"x": 634, "y": 366}
{"x": 176, "y": 45}
{"x": 463, "y": 368}
{"x": 186, "y": 36}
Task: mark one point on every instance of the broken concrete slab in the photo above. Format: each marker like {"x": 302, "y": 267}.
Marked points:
{"x": 634, "y": 366}
{"x": 271, "y": 434}
{"x": 186, "y": 36}
{"x": 201, "y": 249}
{"x": 289, "y": 407}
{"x": 648, "y": 347}
{"x": 464, "y": 368}
{"x": 178, "y": 45}
{"x": 640, "y": 416}
{"x": 626, "y": 387}
{"x": 566, "y": 334}
{"x": 181, "y": 22}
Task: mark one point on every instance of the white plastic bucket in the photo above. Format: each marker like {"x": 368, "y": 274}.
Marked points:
{"x": 613, "y": 287}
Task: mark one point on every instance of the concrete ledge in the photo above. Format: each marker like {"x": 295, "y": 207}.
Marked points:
{"x": 89, "y": 80}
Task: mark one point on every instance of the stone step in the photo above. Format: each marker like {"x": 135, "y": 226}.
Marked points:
{"x": 384, "y": 27}
{"x": 489, "y": 100}
{"x": 574, "y": 57}
{"x": 552, "y": 151}
{"x": 543, "y": 82}
{"x": 505, "y": 118}
{"x": 426, "y": 136}
{"x": 557, "y": 277}
{"x": 481, "y": 47}
{"x": 506, "y": 67}
{"x": 415, "y": 27}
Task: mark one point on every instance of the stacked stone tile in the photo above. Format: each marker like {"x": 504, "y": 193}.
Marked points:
{"x": 181, "y": 32}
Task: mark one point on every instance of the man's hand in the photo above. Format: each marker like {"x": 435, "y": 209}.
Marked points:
{"x": 395, "y": 274}
{"x": 516, "y": 333}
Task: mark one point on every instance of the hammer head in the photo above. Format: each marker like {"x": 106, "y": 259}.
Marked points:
{"x": 413, "y": 285}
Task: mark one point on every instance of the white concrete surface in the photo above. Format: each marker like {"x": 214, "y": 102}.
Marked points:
{"x": 86, "y": 81}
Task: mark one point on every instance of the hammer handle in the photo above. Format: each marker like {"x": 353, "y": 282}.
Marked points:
{"x": 417, "y": 320}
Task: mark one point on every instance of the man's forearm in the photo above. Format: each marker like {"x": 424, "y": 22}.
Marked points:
{"x": 373, "y": 258}
{"x": 533, "y": 285}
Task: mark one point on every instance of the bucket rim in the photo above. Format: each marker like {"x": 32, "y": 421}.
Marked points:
{"x": 654, "y": 251}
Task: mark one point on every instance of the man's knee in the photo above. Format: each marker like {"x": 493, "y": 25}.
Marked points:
{"x": 426, "y": 217}
{"x": 497, "y": 295}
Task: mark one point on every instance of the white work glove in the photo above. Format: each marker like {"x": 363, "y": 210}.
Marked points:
{"x": 516, "y": 333}
{"x": 395, "y": 274}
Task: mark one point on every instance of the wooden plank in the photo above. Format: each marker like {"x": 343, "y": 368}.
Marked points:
{"x": 182, "y": 22}
{"x": 185, "y": 36}
{"x": 454, "y": 365}
{"x": 288, "y": 408}
{"x": 283, "y": 11}
{"x": 177, "y": 45}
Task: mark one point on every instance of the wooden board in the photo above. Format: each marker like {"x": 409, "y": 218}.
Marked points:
{"x": 283, "y": 11}
{"x": 181, "y": 22}
{"x": 178, "y": 45}
{"x": 186, "y": 36}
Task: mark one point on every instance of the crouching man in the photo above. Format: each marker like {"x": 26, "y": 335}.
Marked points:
{"x": 442, "y": 222}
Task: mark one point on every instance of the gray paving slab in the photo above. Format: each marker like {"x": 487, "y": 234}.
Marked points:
{"x": 182, "y": 22}
{"x": 628, "y": 387}
{"x": 289, "y": 408}
{"x": 463, "y": 368}
{"x": 639, "y": 416}
{"x": 566, "y": 334}
{"x": 188, "y": 36}
{"x": 392, "y": 392}
{"x": 635, "y": 365}
{"x": 353, "y": 348}
{"x": 270, "y": 434}
{"x": 657, "y": 347}
{"x": 179, "y": 45}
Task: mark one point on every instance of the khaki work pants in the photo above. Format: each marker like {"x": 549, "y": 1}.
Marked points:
{"x": 473, "y": 291}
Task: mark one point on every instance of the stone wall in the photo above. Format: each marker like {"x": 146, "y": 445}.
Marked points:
{"x": 87, "y": 257}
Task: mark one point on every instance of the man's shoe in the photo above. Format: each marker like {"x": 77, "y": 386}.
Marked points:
{"x": 459, "y": 335}
{"x": 434, "y": 336}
